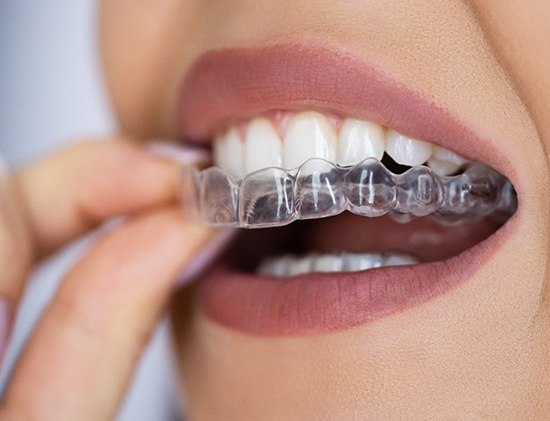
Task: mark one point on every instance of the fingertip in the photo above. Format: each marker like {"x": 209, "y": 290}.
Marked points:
{"x": 74, "y": 190}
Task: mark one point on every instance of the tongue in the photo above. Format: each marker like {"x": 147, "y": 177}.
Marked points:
{"x": 423, "y": 238}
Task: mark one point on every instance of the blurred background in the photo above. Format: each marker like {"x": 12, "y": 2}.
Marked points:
{"x": 51, "y": 94}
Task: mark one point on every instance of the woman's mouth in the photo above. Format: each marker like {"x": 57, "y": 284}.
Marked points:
{"x": 371, "y": 197}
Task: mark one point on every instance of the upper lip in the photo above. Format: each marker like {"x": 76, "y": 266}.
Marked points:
{"x": 239, "y": 83}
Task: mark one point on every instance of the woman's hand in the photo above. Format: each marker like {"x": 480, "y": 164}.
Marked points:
{"x": 85, "y": 348}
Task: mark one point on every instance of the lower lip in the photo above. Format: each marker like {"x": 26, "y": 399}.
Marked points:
{"x": 319, "y": 303}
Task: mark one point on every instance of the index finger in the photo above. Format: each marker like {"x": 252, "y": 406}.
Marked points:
{"x": 72, "y": 191}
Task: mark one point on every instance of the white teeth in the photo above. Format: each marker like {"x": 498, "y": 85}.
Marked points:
{"x": 262, "y": 147}
{"x": 406, "y": 150}
{"x": 228, "y": 153}
{"x": 356, "y": 262}
{"x": 280, "y": 266}
{"x": 309, "y": 135}
{"x": 400, "y": 260}
{"x": 220, "y": 152}
{"x": 297, "y": 266}
{"x": 359, "y": 140}
{"x": 445, "y": 162}
{"x": 326, "y": 263}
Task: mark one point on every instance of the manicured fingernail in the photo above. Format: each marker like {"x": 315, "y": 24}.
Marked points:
{"x": 184, "y": 155}
{"x": 201, "y": 261}
{"x": 5, "y": 322}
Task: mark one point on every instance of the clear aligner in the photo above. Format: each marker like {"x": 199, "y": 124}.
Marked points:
{"x": 274, "y": 197}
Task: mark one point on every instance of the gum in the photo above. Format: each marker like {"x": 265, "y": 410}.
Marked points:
{"x": 274, "y": 197}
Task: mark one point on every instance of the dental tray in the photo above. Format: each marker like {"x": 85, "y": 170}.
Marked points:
{"x": 274, "y": 197}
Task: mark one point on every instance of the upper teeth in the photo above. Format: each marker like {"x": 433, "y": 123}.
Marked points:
{"x": 311, "y": 135}
{"x": 443, "y": 161}
{"x": 262, "y": 147}
{"x": 407, "y": 151}
{"x": 359, "y": 140}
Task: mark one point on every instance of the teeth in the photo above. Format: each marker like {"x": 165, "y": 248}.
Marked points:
{"x": 228, "y": 153}
{"x": 309, "y": 135}
{"x": 220, "y": 153}
{"x": 445, "y": 162}
{"x": 296, "y": 266}
{"x": 327, "y": 263}
{"x": 356, "y": 262}
{"x": 406, "y": 150}
{"x": 400, "y": 260}
{"x": 280, "y": 266}
{"x": 358, "y": 140}
{"x": 262, "y": 146}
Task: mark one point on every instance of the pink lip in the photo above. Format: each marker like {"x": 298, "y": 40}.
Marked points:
{"x": 317, "y": 303}
{"x": 234, "y": 84}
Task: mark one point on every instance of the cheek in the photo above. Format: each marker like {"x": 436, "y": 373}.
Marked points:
{"x": 520, "y": 38}
{"x": 141, "y": 43}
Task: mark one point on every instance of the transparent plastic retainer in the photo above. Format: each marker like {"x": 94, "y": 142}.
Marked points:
{"x": 273, "y": 197}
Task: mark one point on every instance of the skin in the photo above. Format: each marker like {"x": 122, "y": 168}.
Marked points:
{"x": 478, "y": 352}
{"x": 107, "y": 306}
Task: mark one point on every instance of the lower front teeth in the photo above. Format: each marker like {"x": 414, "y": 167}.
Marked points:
{"x": 275, "y": 197}
{"x": 326, "y": 263}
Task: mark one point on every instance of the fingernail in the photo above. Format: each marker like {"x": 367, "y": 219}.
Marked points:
{"x": 5, "y": 320}
{"x": 201, "y": 261}
{"x": 184, "y": 155}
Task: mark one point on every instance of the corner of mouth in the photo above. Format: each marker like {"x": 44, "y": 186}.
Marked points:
{"x": 227, "y": 87}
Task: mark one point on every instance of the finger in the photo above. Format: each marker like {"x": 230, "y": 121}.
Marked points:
{"x": 82, "y": 356}
{"x": 15, "y": 253}
{"x": 15, "y": 246}
{"x": 75, "y": 189}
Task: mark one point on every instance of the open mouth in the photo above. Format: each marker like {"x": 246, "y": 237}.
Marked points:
{"x": 371, "y": 199}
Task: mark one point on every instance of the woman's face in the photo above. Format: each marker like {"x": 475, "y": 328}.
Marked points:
{"x": 467, "y": 337}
